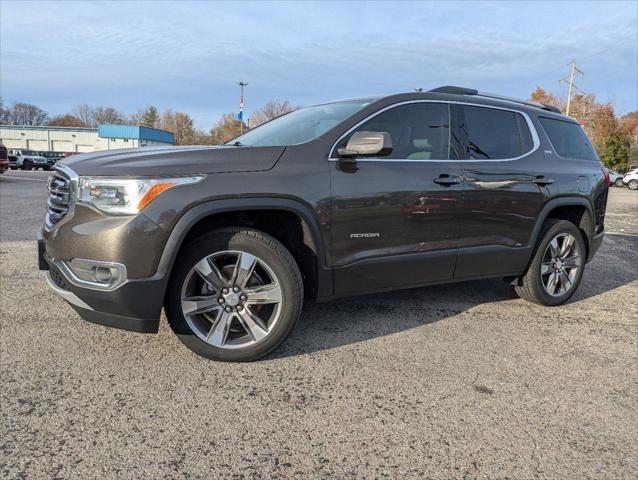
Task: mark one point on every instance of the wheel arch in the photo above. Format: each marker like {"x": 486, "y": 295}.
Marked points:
{"x": 206, "y": 214}
{"x": 577, "y": 210}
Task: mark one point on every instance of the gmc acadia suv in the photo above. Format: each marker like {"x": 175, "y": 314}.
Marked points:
{"x": 345, "y": 198}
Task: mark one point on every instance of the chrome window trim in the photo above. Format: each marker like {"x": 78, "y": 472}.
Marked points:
{"x": 535, "y": 138}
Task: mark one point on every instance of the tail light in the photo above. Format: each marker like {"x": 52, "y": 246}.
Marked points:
{"x": 607, "y": 176}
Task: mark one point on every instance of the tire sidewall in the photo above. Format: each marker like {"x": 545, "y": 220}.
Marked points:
{"x": 288, "y": 276}
{"x": 561, "y": 226}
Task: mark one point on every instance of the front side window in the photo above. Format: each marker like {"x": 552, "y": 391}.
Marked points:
{"x": 299, "y": 126}
{"x": 494, "y": 134}
{"x": 568, "y": 139}
{"x": 419, "y": 131}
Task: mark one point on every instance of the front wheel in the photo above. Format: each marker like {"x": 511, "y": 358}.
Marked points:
{"x": 234, "y": 295}
{"x": 557, "y": 267}
{"x": 633, "y": 184}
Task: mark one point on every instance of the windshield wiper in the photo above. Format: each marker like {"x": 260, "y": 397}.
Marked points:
{"x": 236, "y": 144}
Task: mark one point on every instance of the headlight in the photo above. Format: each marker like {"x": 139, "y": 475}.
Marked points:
{"x": 126, "y": 196}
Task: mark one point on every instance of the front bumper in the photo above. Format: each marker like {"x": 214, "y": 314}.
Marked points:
{"x": 134, "y": 305}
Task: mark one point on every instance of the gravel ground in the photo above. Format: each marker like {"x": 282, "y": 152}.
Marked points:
{"x": 456, "y": 381}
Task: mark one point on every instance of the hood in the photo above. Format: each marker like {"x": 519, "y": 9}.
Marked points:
{"x": 150, "y": 161}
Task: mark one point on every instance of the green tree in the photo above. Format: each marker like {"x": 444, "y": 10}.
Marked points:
{"x": 615, "y": 151}
{"x": 150, "y": 117}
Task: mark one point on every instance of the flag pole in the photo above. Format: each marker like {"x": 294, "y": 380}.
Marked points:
{"x": 240, "y": 115}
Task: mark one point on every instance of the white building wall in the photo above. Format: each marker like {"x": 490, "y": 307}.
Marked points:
{"x": 65, "y": 140}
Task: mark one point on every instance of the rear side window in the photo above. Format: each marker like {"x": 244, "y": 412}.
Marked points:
{"x": 568, "y": 139}
{"x": 495, "y": 134}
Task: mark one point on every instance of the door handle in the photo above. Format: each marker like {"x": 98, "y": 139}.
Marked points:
{"x": 446, "y": 179}
{"x": 540, "y": 180}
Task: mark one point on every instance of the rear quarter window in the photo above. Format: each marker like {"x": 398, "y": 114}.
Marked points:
{"x": 568, "y": 139}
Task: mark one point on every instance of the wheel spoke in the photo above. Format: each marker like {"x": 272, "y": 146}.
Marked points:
{"x": 553, "y": 245}
{"x": 571, "y": 262}
{"x": 243, "y": 269}
{"x": 253, "y": 324}
{"x": 565, "y": 280}
{"x": 546, "y": 268}
{"x": 568, "y": 242}
{"x": 210, "y": 273}
{"x": 552, "y": 283}
{"x": 199, "y": 304}
{"x": 263, "y": 294}
{"x": 219, "y": 331}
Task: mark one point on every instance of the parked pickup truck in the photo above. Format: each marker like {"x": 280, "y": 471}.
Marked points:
{"x": 345, "y": 198}
{"x": 27, "y": 160}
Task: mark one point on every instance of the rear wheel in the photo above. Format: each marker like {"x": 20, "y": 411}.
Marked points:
{"x": 557, "y": 267}
{"x": 235, "y": 295}
{"x": 633, "y": 184}
{"x": 619, "y": 182}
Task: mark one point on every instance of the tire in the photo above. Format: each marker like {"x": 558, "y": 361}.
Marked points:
{"x": 274, "y": 269}
{"x": 27, "y": 165}
{"x": 533, "y": 285}
{"x": 633, "y": 184}
{"x": 619, "y": 183}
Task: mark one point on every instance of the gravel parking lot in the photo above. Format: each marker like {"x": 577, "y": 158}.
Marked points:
{"x": 455, "y": 381}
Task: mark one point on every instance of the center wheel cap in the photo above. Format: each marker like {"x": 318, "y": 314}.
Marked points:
{"x": 232, "y": 299}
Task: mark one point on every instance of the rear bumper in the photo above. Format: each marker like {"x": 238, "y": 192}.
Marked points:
{"x": 134, "y": 306}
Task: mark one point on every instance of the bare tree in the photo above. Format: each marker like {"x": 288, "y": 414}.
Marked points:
{"x": 272, "y": 109}
{"x": 4, "y": 113}
{"x": 85, "y": 113}
{"x": 107, "y": 115}
{"x": 26, "y": 114}
{"x": 66, "y": 120}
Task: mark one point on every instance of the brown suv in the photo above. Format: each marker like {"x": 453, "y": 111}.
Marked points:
{"x": 345, "y": 198}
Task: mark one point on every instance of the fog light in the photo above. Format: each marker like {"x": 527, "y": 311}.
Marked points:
{"x": 94, "y": 273}
{"x": 103, "y": 274}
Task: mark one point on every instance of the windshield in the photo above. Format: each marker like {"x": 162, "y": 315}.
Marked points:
{"x": 29, "y": 152}
{"x": 300, "y": 126}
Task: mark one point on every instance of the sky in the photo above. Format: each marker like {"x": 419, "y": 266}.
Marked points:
{"x": 189, "y": 56}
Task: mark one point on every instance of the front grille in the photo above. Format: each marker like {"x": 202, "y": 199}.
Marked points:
{"x": 59, "y": 197}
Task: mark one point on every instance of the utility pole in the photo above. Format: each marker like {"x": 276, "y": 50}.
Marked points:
{"x": 571, "y": 85}
{"x": 240, "y": 115}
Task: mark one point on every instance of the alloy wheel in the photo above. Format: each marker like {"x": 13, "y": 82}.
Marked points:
{"x": 561, "y": 262}
{"x": 231, "y": 299}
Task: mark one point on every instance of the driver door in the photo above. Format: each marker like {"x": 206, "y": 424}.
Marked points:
{"x": 395, "y": 217}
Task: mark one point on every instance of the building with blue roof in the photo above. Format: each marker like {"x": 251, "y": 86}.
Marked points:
{"x": 74, "y": 139}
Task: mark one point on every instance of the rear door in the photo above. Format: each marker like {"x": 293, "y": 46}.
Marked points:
{"x": 506, "y": 186}
{"x": 394, "y": 218}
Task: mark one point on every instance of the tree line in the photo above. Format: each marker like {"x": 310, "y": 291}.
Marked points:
{"x": 179, "y": 123}
{"x": 615, "y": 138}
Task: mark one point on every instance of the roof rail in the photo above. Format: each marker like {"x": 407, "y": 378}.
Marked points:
{"x": 472, "y": 91}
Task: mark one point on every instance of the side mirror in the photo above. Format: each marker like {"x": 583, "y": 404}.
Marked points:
{"x": 367, "y": 144}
